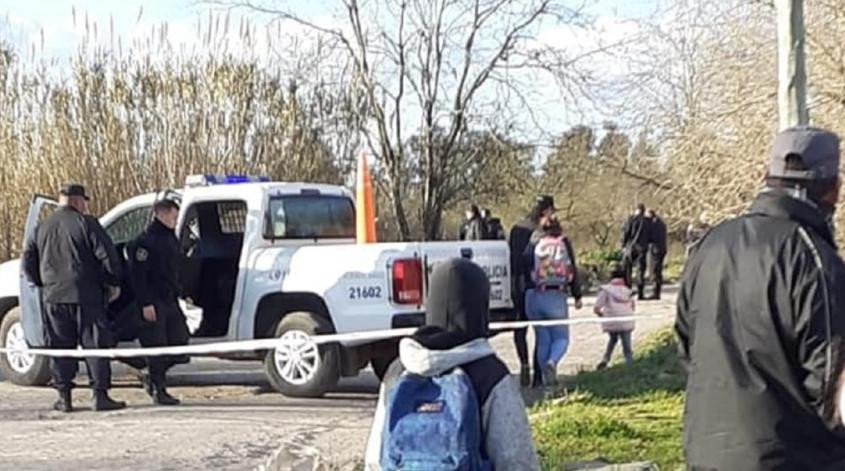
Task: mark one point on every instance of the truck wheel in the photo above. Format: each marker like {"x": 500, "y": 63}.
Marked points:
{"x": 20, "y": 368}
{"x": 300, "y": 367}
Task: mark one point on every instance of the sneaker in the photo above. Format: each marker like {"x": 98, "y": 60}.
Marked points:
{"x": 64, "y": 402}
{"x": 550, "y": 375}
{"x": 102, "y": 402}
{"x": 601, "y": 366}
{"x": 525, "y": 376}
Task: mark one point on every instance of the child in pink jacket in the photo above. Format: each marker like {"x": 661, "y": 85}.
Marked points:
{"x": 615, "y": 299}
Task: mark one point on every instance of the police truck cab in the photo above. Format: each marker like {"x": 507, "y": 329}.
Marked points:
{"x": 264, "y": 259}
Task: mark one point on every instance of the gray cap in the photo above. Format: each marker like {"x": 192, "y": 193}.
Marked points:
{"x": 816, "y": 149}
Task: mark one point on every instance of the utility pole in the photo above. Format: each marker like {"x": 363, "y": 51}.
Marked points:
{"x": 792, "y": 73}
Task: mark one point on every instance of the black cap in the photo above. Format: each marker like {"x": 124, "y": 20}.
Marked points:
{"x": 544, "y": 202}
{"x": 73, "y": 189}
{"x": 816, "y": 151}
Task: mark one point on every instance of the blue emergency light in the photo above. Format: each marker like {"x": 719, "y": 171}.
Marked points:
{"x": 206, "y": 180}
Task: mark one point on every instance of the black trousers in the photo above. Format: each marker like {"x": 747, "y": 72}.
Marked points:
{"x": 655, "y": 264}
{"x": 521, "y": 342}
{"x": 69, "y": 325}
{"x": 169, "y": 329}
{"x": 519, "y": 335}
{"x": 637, "y": 260}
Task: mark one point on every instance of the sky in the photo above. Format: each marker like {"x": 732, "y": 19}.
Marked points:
{"x": 62, "y": 24}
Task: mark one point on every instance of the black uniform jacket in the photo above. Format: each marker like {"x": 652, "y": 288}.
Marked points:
{"x": 154, "y": 261}
{"x": 761, "y": 318}
{"x": 72, "y": 258}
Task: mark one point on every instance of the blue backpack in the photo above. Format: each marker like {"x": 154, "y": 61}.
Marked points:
{"x": 433, "y": 424}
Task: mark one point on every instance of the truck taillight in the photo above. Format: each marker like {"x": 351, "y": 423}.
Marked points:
{"x": 407, "y": 281}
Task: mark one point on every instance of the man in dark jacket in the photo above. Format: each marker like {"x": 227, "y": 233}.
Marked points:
{"x": 154, "y": 265}
{"x": 73, "y": 260}
{"x": 635, "y": 239}
{"x": 760, "y": 322}
{"x": 518, "y": 239}
{"x": 495, "y": 231}
{"x": 656, "y": 251}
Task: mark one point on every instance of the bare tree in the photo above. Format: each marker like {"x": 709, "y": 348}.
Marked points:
{"x": 436, "y": 69}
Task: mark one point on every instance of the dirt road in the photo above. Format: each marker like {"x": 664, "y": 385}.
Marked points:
{"x": 229, "y": 419}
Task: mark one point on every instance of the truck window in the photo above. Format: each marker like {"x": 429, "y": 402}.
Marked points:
{"x": 310, "y": 217}
{"x": 232, "y": 217}
{"x": 127, "y": 226}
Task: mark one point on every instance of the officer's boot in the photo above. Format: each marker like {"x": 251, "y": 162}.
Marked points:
{"x": 102, "y": 401}
{"x": 162, "y": 397}
{"x": 64, "y": 403}
{"x": 641, "y": 291}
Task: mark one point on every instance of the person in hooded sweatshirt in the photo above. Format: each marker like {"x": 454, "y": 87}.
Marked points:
{"x": 615, "y": 299}
{"x": 455, "y": 335}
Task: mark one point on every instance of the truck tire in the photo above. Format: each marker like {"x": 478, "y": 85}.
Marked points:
{"x": 22, "y": 369}
{"x": 299, "y": 367}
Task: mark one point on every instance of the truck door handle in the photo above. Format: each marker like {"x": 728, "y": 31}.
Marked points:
{"x": 466, "y": 252}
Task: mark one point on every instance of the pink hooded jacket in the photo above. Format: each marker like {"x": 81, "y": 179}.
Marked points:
{"x": 616, "y": 300}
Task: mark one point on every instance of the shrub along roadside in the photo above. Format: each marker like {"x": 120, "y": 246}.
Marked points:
{"x": 622, "y": 414}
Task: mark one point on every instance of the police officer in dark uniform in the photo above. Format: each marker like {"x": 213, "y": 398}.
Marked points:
{"x": 635, "y": 239}
{"x": 73, "y": 260}
{"x": 154, "y": 267}
{"x": 657, "y": 248}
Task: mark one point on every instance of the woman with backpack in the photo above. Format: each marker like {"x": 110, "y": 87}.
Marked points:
{"x": 551, "y": 275}
{"x": 616, "y": 299}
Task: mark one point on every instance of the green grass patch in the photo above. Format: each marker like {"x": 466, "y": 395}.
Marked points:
{"x": 622, "y": 414}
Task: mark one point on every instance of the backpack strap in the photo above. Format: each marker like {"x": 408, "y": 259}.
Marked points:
{"x": 485, "y": 373}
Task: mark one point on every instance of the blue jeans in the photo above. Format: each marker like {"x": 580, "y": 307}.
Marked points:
{"x": 552, "y": 342}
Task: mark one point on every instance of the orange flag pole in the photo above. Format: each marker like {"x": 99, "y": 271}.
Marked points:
{"x": 365, "y": 221}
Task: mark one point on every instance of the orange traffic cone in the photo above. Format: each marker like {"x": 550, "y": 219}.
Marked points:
{"x": 365, "y": 223}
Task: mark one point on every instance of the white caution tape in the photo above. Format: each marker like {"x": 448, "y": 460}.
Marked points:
{"x": 271, "y": 344}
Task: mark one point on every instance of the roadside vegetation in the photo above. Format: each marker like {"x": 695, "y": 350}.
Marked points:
{"x": 619, "y": 415}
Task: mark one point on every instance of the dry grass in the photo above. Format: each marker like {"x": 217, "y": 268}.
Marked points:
{"x": 128, "y": 121}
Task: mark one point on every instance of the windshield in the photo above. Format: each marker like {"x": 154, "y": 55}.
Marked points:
{"x": 311, "y": 217}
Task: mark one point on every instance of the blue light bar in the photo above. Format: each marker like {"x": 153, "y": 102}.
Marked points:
{"x": 206, "y": 180}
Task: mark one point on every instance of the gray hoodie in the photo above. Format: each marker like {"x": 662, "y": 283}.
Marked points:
{"x": 507, "y": 435}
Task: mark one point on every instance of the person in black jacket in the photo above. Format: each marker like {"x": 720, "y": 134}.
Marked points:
{"x": 75, "y": 263}
{"x": 635, "y": 239}
{"x": 760, "y": 322}
{"x": 495, "y": 231}
{"x": 518, "y": 239}
{"x": 657, "y": 248}
{"x": 154, "y": 260}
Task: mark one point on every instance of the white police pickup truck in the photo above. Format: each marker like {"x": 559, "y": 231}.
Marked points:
{"x": 266, "y": 259}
